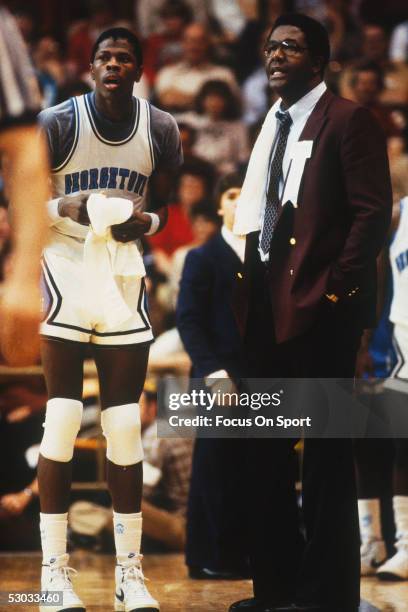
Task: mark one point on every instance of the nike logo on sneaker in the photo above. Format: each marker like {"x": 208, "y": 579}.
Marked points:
{"x": 120, "y": 596}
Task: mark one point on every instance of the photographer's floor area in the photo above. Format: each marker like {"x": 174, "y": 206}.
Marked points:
{"x": 169, "y": 583}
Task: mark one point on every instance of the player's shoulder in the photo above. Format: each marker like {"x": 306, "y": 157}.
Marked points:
{"x": 57, "y": 114}
{"x": 162, "y": 120}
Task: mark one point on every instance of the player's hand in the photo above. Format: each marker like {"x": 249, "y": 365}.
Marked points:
{"x": 132, "y": 229}
{"x": 15, "y": 503}
{"x": 74, "y": 208}
{"x": 20, "y": 315}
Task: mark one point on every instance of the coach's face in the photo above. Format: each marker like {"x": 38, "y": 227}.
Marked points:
{"x": 291, "y": 70}
{"x": 115, "y": 67}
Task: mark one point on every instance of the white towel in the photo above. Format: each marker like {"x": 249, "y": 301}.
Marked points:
{"x": 253, "y": 195}
{"x": 105, "y": 258}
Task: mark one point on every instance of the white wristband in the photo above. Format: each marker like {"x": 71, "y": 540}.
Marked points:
{"x": 155, "y": 224}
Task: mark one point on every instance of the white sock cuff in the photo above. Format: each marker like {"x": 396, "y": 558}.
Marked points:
{"x": 369, "y": 514}
{"x": 124, "y": 516}
{"x": 48, "y": 518}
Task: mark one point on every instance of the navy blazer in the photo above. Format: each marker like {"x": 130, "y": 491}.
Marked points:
{"x": 205, "y": 318}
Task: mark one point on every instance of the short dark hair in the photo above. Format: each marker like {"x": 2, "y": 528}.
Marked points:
{"x": 228, "y": 181}
{"x": 316, "y": 35}
{"x": 219, "y": 88}
{"x": 117, "y": 34}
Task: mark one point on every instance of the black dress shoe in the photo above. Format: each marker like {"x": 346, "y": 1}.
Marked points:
{"x": 204, "y": 573}
{"x": 254, "y": 605}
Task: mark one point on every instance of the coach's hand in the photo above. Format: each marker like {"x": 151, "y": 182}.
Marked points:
{"x": 74, "y": 208}
{"x": 132, "y": 229}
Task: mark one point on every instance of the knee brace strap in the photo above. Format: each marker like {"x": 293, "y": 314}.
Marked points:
{"x": 122, "y": 430}
{"x": 62, "y": 422}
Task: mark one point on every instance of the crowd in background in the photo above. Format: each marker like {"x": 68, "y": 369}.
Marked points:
{"x": 203, "y": 62}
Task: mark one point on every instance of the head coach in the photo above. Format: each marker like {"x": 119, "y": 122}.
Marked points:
{"x": 315, "y": 208}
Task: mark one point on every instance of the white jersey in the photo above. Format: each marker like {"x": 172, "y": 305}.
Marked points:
{"x": 399, "y": 264}
{"x": 97, "y": 165}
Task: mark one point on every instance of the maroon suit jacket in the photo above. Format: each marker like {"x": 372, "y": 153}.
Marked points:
{"x": 329, "y": 243}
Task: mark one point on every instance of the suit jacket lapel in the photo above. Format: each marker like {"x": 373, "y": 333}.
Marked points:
{"x": 318, "y": 118}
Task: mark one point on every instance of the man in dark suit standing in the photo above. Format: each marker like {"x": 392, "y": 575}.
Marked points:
{"x": 315, "y": 208}
{"x": 210, "y": 335}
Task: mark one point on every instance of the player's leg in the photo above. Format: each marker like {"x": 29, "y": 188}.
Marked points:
{"x": 63, "y": 365}
{"x": 122, "y": 372}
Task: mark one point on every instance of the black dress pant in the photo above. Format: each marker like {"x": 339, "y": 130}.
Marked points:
{"x": 324, "y": 566}
{"x": 217, "y": 517}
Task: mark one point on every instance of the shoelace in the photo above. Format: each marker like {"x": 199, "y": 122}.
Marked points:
{"x": 63, "y": 574}
{"x": 135, "y": 572}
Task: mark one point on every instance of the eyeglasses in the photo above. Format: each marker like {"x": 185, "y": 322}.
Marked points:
{"x": 288, "y": 47}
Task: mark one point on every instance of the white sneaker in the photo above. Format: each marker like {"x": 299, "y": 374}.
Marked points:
{"x": 373, "y": 554}
{"x": 131, "y": 594}
{"x": 55, "y": 577}
{"x": 395, "y": 568}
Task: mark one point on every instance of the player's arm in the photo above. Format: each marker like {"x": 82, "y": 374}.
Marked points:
{"x": 25, "y": 155}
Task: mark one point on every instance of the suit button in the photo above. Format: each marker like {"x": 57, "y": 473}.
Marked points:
{"x": 292, "y": 241}
{"x": 291, "y": 272}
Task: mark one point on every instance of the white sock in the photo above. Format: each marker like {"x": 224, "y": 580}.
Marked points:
{"x": 370, "y": 519}
{"x": 128, "y": 535}
{"x": 53, "y": 528}
{"x": 400, "y": 504}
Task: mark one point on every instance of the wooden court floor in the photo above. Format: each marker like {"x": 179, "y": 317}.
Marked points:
{"x": 168, "y": 582}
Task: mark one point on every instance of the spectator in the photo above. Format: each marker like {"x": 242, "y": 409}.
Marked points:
{"x": 188, "y": 137}
{"x": 192, "y": 187}
{"x": 222, "y": 138}
{"x": 204, "y": 224}
{"x": 255, "y": 89}
{"x": 178, "y": 85}
{"x": 51, "y": 72}
{"x": 366, "y": 85}
{"x": 148, "y": 17}
{"x": 165, "y": 47}
{"x": 375, "y": 49}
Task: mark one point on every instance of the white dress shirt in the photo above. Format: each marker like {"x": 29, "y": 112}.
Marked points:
{"x": 299, "y": 113}
{"x": 237, "y": 243}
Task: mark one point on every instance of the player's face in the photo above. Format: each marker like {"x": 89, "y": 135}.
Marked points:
{"x": 292, "y": 69}
{"x": 115, "y": 67}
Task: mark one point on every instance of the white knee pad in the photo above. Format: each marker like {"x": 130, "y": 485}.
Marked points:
{"x": 62, "y": 422}
{"x": 122, "y": 429}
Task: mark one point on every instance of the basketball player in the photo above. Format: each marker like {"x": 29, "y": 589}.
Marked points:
{"x": 112, "y": 143}
{"x": 373, "y": 547}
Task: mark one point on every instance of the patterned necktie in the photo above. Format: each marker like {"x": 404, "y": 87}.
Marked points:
{"x": 275, "y": 173}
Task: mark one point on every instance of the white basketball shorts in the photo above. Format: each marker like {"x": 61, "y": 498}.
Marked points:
{"x": 66, "y": 315}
